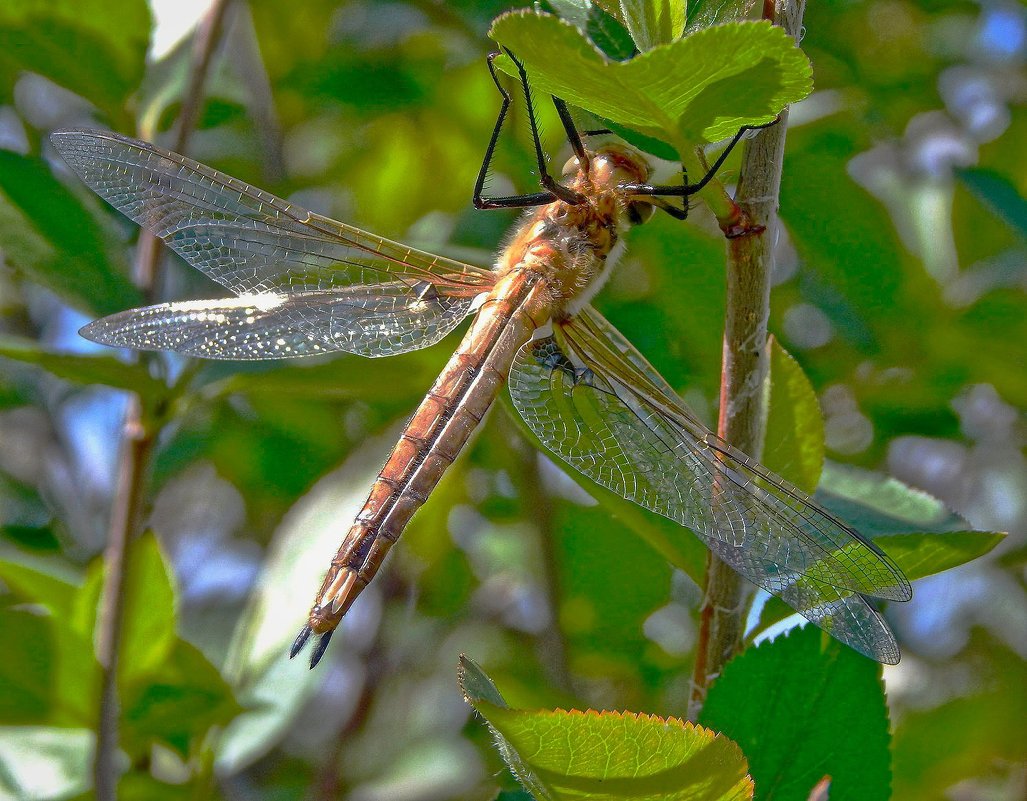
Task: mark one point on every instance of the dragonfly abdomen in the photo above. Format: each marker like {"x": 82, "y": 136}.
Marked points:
{"x": 433, "y": 438}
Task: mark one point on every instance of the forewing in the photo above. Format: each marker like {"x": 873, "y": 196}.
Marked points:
{"x": 599, "y": 408}
{"x": 371, "y": 321}
{"x": 245, "y": 239}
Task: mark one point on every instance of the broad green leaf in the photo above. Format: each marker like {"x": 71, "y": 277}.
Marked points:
{"x": 703, "y": 13}
{"x": 81, "y": 369}
{"x": 922, "y": 555}
{"x": 47, "y": 234}
{"x": 149, "y": 625}
{"x": 794, "y": 447}
{"x": 699, "y": 89}
{"x": 47, "y": 583}
{"x": 27, "y": 669}
{"x": 176, "y": 703}
{"x": 876, "y": 504}
{"x": 561, "y": 755}
{"x": 95, "y": 48}
{"x": 802, "y": 707}
{"x": 39, "y": 580}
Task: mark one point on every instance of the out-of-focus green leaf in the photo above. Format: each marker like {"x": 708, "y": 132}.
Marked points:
{"x": 82, "y": 369}
{"x": 981, "y": 732}
{"x": 609, "y": 755}
{"x": 45, "y": 582}
{"x": 920, "y": 555}
{"x": 833, "y": 722}
{"x": 46, "y": 233}
{"x": 92, "y": 47}
{"x": 602, "y": 620}
{"x": 38, "y": 762}
{"x": 794, "y": 447}
{"x": 176, "y": 702}
{"x": 999, "y": 194}
{"x": 27, "y": 669}
{"x": 149, "y": 626}
{"x": 699, "y": 89}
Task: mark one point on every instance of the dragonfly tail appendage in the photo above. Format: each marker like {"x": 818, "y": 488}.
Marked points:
{"x": 300, "y": 641}
{"x": 319, "y": 648}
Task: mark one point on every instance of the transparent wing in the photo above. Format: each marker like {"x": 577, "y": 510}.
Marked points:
{"x": 594, "y": 400}
{"x": 369, "y": 321}
{"x": 256, "y": 244}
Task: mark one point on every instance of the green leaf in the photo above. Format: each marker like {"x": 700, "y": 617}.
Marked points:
{"x": 876, "y": 504}
{"x": 605, "y": 30}
{"x": 176, "y": 703}
{"x": 920, "y": 555}
{"x": 650, "y": 22}
{"x": 476, "y": 686}
{"x": 27, "y": 669}
{"x": 701, "y": 88}
{"x": 46, "y": 583}
{"x": 562, "y": 755}
{"x": 149, "y": 625}
{"x": 794, "y": 447}
{"x": 81, "y": 369}
{"x": 47, "y": 234}
{"x": 95, "y": 48}
{"x": 802, "y": 707}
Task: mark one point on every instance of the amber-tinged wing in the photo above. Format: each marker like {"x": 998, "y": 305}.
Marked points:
{"x": 315, "y": 284}
{"x": 594, "y": 400}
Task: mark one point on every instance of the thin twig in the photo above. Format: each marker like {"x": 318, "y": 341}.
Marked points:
{"x": 743, "y": 412}
{"x": 138, "y": 437}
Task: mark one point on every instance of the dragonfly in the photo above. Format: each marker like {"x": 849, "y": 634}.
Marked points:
{"x": 303, "y": 284}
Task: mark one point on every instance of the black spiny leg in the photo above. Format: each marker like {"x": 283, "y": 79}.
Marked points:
{"x": 555, "y": 190}
{"x": 687, "y": 189}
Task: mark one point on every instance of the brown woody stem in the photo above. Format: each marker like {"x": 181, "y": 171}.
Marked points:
{"x": 139, "y": 433}
{"x": 743, "y": 410}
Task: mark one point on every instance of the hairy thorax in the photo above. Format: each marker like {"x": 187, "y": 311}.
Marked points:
{"x": 572, "y": 246}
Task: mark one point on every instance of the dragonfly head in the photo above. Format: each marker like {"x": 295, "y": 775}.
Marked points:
{"x": 610, "y": 167}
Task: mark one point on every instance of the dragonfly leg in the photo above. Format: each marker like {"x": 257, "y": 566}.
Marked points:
{"x": 555, "y": 190}
{"x": 686, "y": 189}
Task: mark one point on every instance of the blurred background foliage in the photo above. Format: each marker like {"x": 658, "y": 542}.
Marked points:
{"x": 899, "y": 288}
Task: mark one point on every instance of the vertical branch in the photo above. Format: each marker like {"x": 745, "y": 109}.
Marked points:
{"x": 743, "y": 412}
{"x": 139, "y": 433}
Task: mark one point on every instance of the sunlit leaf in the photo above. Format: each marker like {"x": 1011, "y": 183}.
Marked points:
{"x": 149, "y": 625}
{"x": 794, "y": 447}
{"x": 650, "y": 22}
{"x": 920, "y": 555}
{"x": 877, "y": 504}
{"x": 609, "y": 755}
{"x": 701, "y": 88}
{"x": 832, "y": 721}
